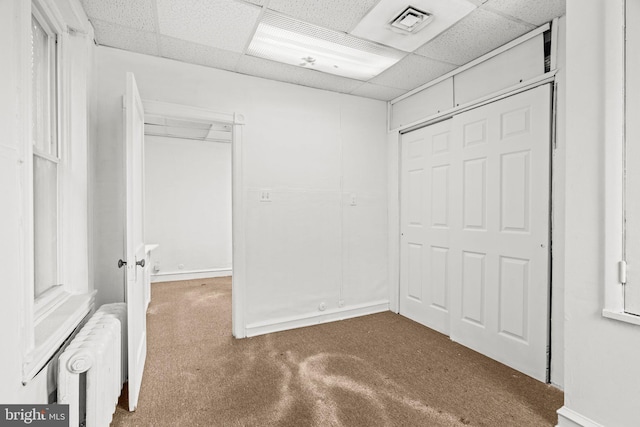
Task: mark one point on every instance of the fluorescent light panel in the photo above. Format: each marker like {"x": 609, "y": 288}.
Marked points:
{"x": 287, "y": 40}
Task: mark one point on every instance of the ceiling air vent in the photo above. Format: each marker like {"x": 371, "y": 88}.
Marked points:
{"x": 411, "y": 20}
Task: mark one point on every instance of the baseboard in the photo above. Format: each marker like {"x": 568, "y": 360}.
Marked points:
{"x": 283, "y": 324}
{"x": 190, "y": 275}
{"x": 570, "y": 418}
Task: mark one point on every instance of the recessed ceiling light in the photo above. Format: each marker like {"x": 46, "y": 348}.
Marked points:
{"x": 287, "y": 40}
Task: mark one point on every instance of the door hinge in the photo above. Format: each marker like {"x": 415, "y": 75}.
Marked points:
{"x": 622, "y": 272}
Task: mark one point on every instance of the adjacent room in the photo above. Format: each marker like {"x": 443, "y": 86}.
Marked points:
{"x": 346, "y": 213}
{"x": 187, "y": 198}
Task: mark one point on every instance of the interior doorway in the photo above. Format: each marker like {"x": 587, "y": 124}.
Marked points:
{"x": 188, "y": 198}
{"x": 192, "y": 165}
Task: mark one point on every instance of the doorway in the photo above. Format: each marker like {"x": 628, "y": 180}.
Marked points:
{"x": 203, "y": 204}
{"x": 188, "y": 198}
{"x": 475, "y": 227}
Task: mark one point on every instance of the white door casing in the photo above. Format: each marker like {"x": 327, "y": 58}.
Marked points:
{"x": 134, "y": 246}
{"x": 480, "y": 224}
{"x": 425, "y": 225}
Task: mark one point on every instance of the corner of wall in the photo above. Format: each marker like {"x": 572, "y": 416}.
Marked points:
{"x": 570, "y": 418}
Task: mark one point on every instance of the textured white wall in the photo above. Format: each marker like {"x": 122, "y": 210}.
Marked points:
{"x": 310, "y": 149}
{"x": 601, "y": 355}
{"x": 14, "y": 17}
{"x": 188, "y": 203}
{"x": 15, "y": 274}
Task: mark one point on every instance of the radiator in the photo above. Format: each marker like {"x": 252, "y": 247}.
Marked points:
{"x": 99, "y": 350}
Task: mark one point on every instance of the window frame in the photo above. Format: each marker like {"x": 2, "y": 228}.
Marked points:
{"x": 49, "y": 319}
{"x": 614, "y": 172}
{"x": 55, "y": 294}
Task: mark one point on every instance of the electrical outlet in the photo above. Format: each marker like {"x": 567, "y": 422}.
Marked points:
{"x": 353, "y": 199}
{"x": 322, "y": 306}
{"x": 180, "y": 266}
{"x": 341, "y": 303}
{"x": 265, "y": 196}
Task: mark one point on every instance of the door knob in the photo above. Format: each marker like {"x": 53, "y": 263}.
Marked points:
{"x": 121, "y": 263}
{"x": 140, "y": 263}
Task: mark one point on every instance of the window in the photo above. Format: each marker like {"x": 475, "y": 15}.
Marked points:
{"x": 45, "y": 155}
{"x": 631, "y": 153}
{"x": 621, "y": 170}
{"x": 56, "y": 67}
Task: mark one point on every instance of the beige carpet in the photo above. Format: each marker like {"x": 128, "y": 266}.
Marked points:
{"x": 377, "y": 370}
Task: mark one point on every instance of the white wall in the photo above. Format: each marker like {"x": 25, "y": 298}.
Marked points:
{"x": 558, "y": 233}
{"x": 14, "y": 16}
{"x": 188, "y": 204}
{"x": 601, "y": 355}
{"x": 310, "y": 149}
{"x": 16, "y": 270}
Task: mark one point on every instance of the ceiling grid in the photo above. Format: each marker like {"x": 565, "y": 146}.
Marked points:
{"x": 218, "y": 33}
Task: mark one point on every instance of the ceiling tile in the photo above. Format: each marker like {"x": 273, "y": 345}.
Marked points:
{"x": 134, "y": 14}
{"x": 256, "y": 2}
{"x": 338, "y": 15}
{"x": 383, "y": 93}
{"x": 411, "y": 72}
{"x": 291, "y": 74}
{"x": 267, "y": 69}
{"x": 375, "y": 26}
{"x": 222, "y": 24}
{"x": 535, "y": 12}
{"x": 480, "y": 32}
{"x": 326, "y": 81}
{"x": 108, "y": 34}
{"x": 198, "y": 54}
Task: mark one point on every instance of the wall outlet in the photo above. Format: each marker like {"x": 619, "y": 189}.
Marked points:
{"x": 180, "y": 266}
{"x": 156, "y": 267}
{"x": 322, "y": 306}
{"x": 352, "y": 199}
{"x": 265, "y": 196}
{"x": 341, "y": 303}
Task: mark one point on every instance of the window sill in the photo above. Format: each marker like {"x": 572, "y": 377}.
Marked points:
{"x": 49, "y": 302}
{"x": 621, "y": 316}
{"x": 53, "y": 329}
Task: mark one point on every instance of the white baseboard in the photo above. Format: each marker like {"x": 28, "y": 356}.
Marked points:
{"x": 570, "y": 418}
{"x": 190, "y": 275}
{"x": 283, "y": 324}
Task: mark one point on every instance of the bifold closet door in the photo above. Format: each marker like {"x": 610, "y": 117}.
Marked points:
{"x": 475, "y": 229}
{"x": 425, "y": 225}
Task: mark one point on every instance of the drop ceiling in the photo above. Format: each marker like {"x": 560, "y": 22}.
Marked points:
{"x": 217, "y": 34}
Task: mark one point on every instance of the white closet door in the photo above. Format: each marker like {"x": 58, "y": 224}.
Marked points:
{"x": 500, "y": 280}
{"x": 425, "y": 225}
{"x": 474, "y": 257}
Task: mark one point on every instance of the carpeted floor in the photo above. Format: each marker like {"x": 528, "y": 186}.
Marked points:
{"x": 377, "y": 370}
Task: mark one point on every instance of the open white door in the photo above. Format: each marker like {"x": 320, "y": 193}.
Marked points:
{"x": 135, "y": 253}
